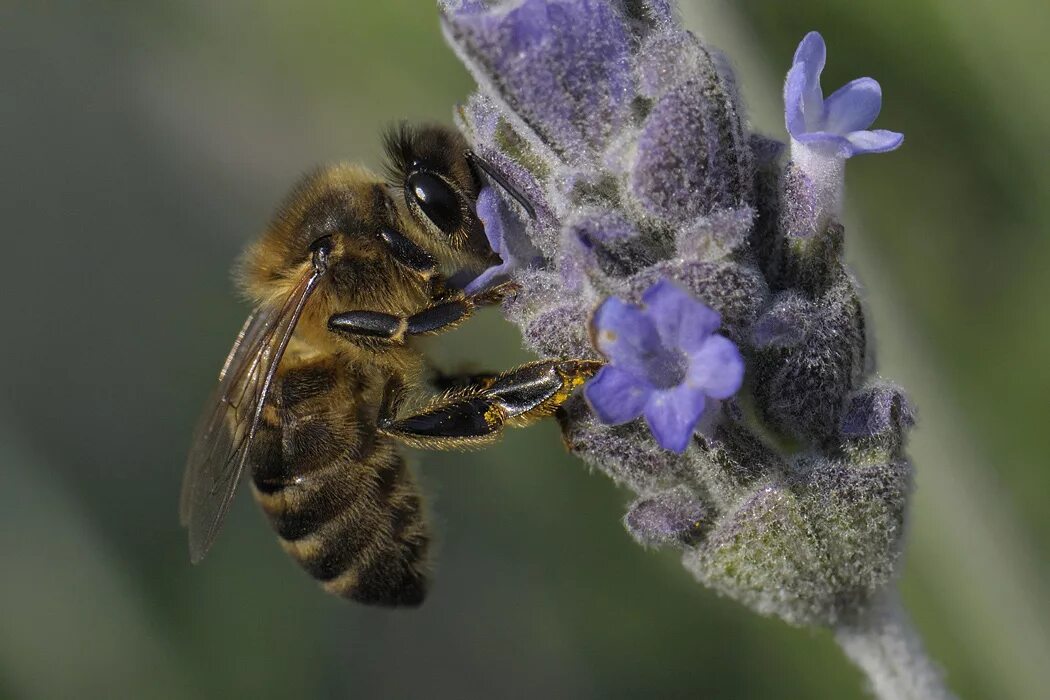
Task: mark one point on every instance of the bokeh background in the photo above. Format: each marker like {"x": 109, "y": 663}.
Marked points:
{"x": 144, "y": 143}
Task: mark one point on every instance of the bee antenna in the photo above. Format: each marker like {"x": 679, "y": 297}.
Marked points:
{"x": 510, "y": 189}
{"x": 321, "y": 249}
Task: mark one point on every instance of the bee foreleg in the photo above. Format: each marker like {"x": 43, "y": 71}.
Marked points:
{"x": 443, "y": 315}
{"x": 477, "y": 414}
{"x": 377, "y": 325}
{"x": 495, "y": 295}
{"x": 407, "y": 254}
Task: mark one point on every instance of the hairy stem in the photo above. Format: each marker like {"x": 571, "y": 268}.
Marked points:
{"x": 882, "y": 641}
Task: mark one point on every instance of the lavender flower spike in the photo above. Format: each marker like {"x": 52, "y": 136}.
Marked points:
{"x": 825, "y": 132}
{"x": 665, "y": 361}
{"x": 788, "y": 493}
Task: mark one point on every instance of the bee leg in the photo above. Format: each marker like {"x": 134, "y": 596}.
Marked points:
{"x": 443, "y": 315}
{"x": 414, "y": 259}
{"x": 478, "y": 414}
{"x": 494, "y": 295}
{"x": 455, "y": 381}
{"x": 407, "y": 254}
{"x": 380, "y": 326}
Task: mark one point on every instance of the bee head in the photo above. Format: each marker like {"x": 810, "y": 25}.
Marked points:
{"x": 439, "y": 188}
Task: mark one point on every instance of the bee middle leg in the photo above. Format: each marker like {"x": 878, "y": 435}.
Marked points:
{"x": 444, "y": 314}
{"x": 477, "y": 414}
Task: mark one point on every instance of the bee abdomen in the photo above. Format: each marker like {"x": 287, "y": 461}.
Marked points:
{"x": 356, "y": 525}
{"x": 391, "y": 570}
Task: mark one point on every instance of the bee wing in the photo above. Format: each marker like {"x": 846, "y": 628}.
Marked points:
{"x": 224, "y": 433}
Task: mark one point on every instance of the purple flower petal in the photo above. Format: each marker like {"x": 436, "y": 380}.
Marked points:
{"x": 680, "y": 319}
{"x": 672, "y": 415}
{"x": 488, "y": 210}
{"x": 794, "y": 86}
{"x": 487, "y": 278}
{"x": 811, "y": 51}
{"x": 853, "y": 106}
{"x": 616, "y": 396}
{"x": 877, "y": 141}
{"x": 810, "y": 57}
{"x": 511, "y": 243}
{"x": 717, "y": 368}
{"x": 668, "y": 353}
{"x": 628, "y": 338}
{"x": 832, "y": 143}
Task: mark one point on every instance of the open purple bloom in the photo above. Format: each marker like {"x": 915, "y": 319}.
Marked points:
{"x": 839, "y": 123}
{"x": 507, "y": 240}
{"x": 665, "y": 360}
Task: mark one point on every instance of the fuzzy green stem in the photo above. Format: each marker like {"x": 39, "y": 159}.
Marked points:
{"x": 884, "y": 644}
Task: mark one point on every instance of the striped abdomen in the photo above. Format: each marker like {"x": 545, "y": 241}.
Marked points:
{"x": 340, "y": 497}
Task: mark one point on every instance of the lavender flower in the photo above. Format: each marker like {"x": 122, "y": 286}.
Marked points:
{"x": 513, "y": 247}
{"x": 824, "y": 133}
{"x": 840, "y": 122}
{"x": 665, "y": 361}
{"x": 626, "y": 134}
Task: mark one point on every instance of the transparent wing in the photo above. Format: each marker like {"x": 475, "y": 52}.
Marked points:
{"x": 223, "y": 437}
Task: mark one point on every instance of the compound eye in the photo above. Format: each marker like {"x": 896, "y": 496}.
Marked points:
{"x": 436, "y": 199}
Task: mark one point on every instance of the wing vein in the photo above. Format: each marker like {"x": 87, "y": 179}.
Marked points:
{"x": 225, "y": 433}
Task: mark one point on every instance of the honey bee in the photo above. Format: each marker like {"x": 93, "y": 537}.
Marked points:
{"x": 314, "y": 396}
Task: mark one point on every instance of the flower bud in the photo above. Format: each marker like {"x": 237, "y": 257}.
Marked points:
{"x": 562, "y": 68}
{"x": 626, "y": 453}
{"x": 876, "y": 422}
{"x": 693, "y": 156}
{"x": 672, "y": 517}
{"x": 730, "y": 459}
{"x": 810, "y": 357}
{"x": 811, "y": 547}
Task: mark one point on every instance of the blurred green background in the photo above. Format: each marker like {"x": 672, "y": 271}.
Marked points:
{"x": 144, "y": 144}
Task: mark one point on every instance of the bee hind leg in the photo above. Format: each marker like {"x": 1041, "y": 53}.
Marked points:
{"x": 477, "y": 414}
